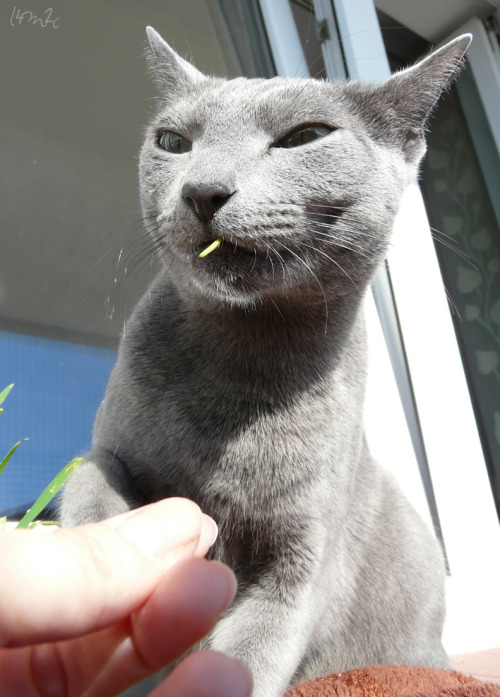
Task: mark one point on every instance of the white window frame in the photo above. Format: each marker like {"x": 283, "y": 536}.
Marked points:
{"x": 444, "y": 412}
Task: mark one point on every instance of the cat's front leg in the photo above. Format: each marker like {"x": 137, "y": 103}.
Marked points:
{"x": 98, "y": 489}
{"x": 269, "y": 629}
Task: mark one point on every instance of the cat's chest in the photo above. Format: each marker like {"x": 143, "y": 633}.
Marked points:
{"x": 213, "y": 444}
{"x": 221, "y": 410}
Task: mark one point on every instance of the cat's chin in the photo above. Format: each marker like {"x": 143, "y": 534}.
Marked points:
{"x": 232, "y": 276}
{"x": 224, "y": 293}
{"x": 231, "y": 271}
{"x": 229, "y": 288}
{"x": 235, "y": 288}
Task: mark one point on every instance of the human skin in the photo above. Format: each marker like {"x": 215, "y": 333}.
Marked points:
{"x": 90, "y": 611}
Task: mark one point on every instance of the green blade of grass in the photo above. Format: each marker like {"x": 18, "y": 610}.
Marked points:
{"x": 4, "y": 393}
{"x": 11, "y": 452}
{"x": 48, "y": 494}
{"x": 211, "y": 248}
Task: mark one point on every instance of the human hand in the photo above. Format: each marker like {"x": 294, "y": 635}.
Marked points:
{"x": 90, "y": 611}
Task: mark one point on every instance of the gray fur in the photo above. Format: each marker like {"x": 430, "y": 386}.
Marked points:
{"x": 240, "y": 377}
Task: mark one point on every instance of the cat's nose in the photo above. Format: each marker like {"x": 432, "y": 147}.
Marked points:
{"x": 206, "y": 199}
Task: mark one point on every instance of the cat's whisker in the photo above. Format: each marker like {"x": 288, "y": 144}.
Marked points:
{"x": 145, "y": 252}
{"x": 352, "y": 231}
{"x": 339, "y": 244}
{"x": 313, "y": 63}
{"x": 307, "y": 41}
{"x": 118, "y": 263}
{"x": 277, "y": 308}
{"x": 254, "y": 261}
{"x": 345, "y": 238}
{"x": 110, "y": 235}
{"x": 319, "y": 251}
{"x": 343, "y": 242}
{"x": 336, "y": 227}
{"x": 282, "y": 262}
{"x": 443, "y": 234}
{"x": 320, "y": 285}
{"x": 269, "y": 256}
{"x": 436, "y": 235}
{"x": 452, "y": 303}
{"x": 128, "y": 264}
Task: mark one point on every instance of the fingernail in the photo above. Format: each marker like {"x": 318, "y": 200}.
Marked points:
{"x": 238, "y": 680}
{"x": 213, "y": 525}
{"x": 208, "y": 535}
{"x": 234, "y": 680}
{"x": 207, "y": 673}
{"x": 223, "y": 584}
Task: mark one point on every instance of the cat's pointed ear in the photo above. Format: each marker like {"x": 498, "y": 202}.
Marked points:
{"x": 412, "y": 94}
{"x": 170, "y": 72}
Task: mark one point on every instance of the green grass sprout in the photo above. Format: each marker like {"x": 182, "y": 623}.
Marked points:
{"x": 211, "y": 248}
{"x": 3, "y": 396}
{"x": 48, "y": 494}
{"x": 4, "y": 393}
{"x": 11, "y": 452}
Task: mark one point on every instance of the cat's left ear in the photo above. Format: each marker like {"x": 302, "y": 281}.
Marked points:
{"x": 171, "y": 73}
{"x": 411, "y": 94}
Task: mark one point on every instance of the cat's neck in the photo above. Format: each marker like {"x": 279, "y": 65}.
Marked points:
{"x": 314, "y": 319}
{"x": 270, "y": 343}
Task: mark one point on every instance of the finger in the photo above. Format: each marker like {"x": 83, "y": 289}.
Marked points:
{"x": 78, "y": 580}
{"x": 183, "y": 608}
{"x": 154, "y": 541}
{"x": 207, "y": 673}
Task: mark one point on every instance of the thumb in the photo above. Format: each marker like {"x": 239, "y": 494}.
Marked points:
{"x": 77, "y": 580}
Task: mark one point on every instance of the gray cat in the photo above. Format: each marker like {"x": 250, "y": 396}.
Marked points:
{"x": 241, "y": 373}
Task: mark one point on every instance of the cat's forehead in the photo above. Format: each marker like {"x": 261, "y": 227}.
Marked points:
{"x": 277, "y": 91}
{"x": 268, "y": 104}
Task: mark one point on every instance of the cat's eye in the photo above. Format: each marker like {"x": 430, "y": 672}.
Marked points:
{"x": 303, "y": 135}
{"x": 174, "y": 142}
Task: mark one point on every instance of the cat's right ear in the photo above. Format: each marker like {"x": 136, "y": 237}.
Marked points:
{"x": 170, "y": 72}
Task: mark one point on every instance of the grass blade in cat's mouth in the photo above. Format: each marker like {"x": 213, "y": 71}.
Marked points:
{"x": 219, "y": 246}
{"x": 211, "y": 248}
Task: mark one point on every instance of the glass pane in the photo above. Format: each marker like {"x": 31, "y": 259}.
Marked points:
{"x": 305, "y": 20}
{"x": 460, "y": 175}
{"x": 74, "y": 254}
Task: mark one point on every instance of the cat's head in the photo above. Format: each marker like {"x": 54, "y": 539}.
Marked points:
{"x": 300, "y": 179}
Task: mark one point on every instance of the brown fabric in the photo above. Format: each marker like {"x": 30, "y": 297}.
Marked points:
{"x": 395, "y": 681}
